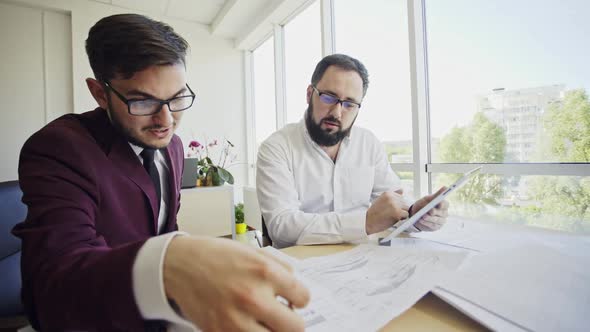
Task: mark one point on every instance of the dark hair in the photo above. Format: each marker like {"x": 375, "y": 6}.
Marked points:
{"x": 127, "y": 43}
{"x": 342, "y": 61}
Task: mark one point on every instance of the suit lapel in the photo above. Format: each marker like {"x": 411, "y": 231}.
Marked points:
{"x": 127, "y": 161}
{"x": 120, "y": 153}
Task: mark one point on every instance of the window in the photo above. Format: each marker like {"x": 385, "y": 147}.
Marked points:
{"x": 378, "y": 37}
{"x": 555, "y": 202}
{"x": 506, "y": 89}
{"x": 515, "y": 92}
{"x": 303, "y": 50}
{"x": 264, "y": 91}
{"x": 523, "y": 80}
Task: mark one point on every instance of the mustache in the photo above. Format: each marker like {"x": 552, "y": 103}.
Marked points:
{"x": 156, "y": 127}
{"x": 331, "y": 119}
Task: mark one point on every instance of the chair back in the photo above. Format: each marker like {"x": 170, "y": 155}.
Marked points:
{"x": 265, "y": 233}
{"x": 12, "y": 212}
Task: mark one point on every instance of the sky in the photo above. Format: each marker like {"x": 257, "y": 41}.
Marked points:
{"x": 473, "y": 47}
{"x": 501, "y": 44}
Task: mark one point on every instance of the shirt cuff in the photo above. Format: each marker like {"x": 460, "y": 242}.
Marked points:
{"x": 148, "y": 281}
{"x": 353, "y": 226}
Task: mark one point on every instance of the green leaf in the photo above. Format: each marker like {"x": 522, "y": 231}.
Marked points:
{"x": 225, "y": 175}
{"x": 213, "y": 175}
{"x": 239, "y": 212}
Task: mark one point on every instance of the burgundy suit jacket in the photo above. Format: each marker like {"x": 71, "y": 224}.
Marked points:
{"x": 91, "y": 206}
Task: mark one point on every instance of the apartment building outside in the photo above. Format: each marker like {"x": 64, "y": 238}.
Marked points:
{"x": 520, "y": 113}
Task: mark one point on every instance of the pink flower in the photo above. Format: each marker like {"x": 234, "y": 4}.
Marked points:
{"x": 194, "y": 144}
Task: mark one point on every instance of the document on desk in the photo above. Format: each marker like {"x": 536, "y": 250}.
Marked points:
{"x": 535, "y": 287}
{"x": 473, "y": 235}
{"x": 364, "y": 288}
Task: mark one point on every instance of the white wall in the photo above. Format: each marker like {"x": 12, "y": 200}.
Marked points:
{"x": 215, "y": 72}
{"x": 35, "y": 76}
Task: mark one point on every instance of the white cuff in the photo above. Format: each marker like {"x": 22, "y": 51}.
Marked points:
{"x": 353, "y": 226}
{"x": 148, "y": 282}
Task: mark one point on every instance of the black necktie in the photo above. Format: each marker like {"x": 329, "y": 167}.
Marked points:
{"x": 150, "y": 167}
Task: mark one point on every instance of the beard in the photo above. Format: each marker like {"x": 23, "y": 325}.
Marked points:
{"x": 323, "y": 137}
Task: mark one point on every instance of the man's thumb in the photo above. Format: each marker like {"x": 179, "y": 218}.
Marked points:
{"x": 440, "y": 191}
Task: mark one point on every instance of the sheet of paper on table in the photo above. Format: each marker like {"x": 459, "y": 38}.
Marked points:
{"x": 519, "y": 278}
{"x": 367, "y": 286}
{"x": 535, "y": 287}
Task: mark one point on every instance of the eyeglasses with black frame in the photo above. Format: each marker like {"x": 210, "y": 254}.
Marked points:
{"x": 151, "y": 106}
{"x": 330, "y": 99}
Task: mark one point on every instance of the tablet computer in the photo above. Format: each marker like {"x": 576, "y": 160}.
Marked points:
{"x": 405, "y": 224}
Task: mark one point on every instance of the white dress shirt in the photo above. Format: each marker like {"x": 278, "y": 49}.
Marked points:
{"x": 306, "y": 198}
{"x": 163, "y": 171}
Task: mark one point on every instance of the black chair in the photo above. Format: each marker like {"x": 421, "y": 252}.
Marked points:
{"x": 265, "y": 234}
{"x": 12, "y": 212}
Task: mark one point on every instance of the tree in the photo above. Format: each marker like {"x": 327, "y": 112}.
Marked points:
{"x": 568, "y": 128}
{"x": 456, "y": 146}
{"x": 565, "y": 200}
{"x": 488, "y": 140}
{"x": 481, "y": 141}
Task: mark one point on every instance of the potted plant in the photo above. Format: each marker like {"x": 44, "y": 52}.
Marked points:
{"x": 241, "y": 226}
{"x": 210, "y": 173}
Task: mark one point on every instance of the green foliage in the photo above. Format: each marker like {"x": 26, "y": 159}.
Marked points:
{"x": 488, "y": 141}
{"x": 563, "y": 196}
{"x": 567, "y": 139}
{"x": 556, "y": 202}
{"x": 405, "y": 175}
{"x": 213, "y": 174}
{"x": 398, "y": 149}
{"x": 209, "y": 172}
{"x": 403, "y": 151}
{"x": 456, "y": 146}
{"x": 480, "y": 141}
{"x": 225, "y": 175}
{"x": 239, "y": 210}
{"x": 567, "y": 125}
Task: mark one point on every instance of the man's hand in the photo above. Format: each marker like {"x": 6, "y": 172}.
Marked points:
{"x": 222, "y": 285}
{"x": 385, "y": 211}
{"x": 435, "y": 218}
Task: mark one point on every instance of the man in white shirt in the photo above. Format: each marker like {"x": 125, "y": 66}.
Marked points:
{"x": 100, "y": 251}
{"x": 324, "y": 181}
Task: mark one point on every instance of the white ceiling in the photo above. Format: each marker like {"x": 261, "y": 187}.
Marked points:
{"x": 244, "y": 21}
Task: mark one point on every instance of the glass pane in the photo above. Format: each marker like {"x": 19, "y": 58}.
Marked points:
{"x": 509, "y": 80}
{"x": 264, "y": 91}
{"x": 376, "y": 33}
{"x": 303, "y": 50}
{"x": 407, "y": 179}
{"x": 554, "y": 202}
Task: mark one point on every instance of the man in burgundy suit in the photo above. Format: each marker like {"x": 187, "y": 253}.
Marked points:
{"x": 102, "y": 189}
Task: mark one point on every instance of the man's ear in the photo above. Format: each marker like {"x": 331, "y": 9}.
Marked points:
{"x": 98, "y": 92}
{"x": 309, "y": 93}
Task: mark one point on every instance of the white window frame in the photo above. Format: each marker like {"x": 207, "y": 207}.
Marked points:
{"x": 328, "y": 27}
{"x": 249, "y": 86}
{"x": 280, "y": 76}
